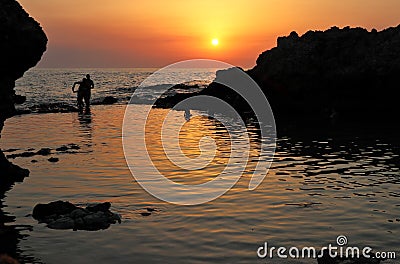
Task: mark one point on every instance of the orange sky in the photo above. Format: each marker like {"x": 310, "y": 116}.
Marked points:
{"x": 155, "y": 33}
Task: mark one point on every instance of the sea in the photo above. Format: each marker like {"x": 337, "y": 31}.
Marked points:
{"x": 318, "y": 188}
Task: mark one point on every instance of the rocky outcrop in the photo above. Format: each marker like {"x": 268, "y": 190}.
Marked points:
{"x": 22, "y": 43}
{"x": 65, "y": 215}
{"x": 323, "y": 78}
{"x": 350, "y": 74}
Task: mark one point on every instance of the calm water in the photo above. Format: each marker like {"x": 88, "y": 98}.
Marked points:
{"x": 316, "y": 189}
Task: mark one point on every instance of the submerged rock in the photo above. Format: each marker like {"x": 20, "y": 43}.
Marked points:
{"x": 108, "y": 100}
{"x": 44, "y": 152}
{"x": 53, "y": 160}
{"x": 27, "y": 154}
{"x": 145, "y": 213}
{"x": 62, "y": 149}
{"x": 65, "y": 215}
{"x": 65, "y": 149}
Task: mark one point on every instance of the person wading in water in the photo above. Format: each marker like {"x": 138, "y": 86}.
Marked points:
{"x": 84, "y": 92}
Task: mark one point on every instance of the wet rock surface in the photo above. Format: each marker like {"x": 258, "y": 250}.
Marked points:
{"x": 65, "y": 215}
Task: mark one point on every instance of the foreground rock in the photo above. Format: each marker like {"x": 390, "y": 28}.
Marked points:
{"x": 65, "y": 215}
{"x": 22, "y": 43}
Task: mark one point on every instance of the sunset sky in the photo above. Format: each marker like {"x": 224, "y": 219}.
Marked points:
{"x": 155, "y": 33}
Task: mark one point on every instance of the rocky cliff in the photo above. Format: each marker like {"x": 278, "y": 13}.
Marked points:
{"x": 347, "y": 75}
{"x": 22, "y": 43}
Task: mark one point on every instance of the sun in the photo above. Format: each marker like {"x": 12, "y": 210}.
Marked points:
{"x": 215, "y": 42}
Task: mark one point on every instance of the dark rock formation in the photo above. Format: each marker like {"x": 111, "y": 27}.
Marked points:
{"x": 42, "y": 211}
{"x": 22, "y": 43}
{"x": 348, "y": 74}
{"x": 53, "y": 159}
{"x": 65, "y": 215}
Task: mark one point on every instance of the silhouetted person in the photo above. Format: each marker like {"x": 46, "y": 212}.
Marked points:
{"x": 84, "y": 92}
{"x": 86, "y": 96}
{"x": 80, "y": 92}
